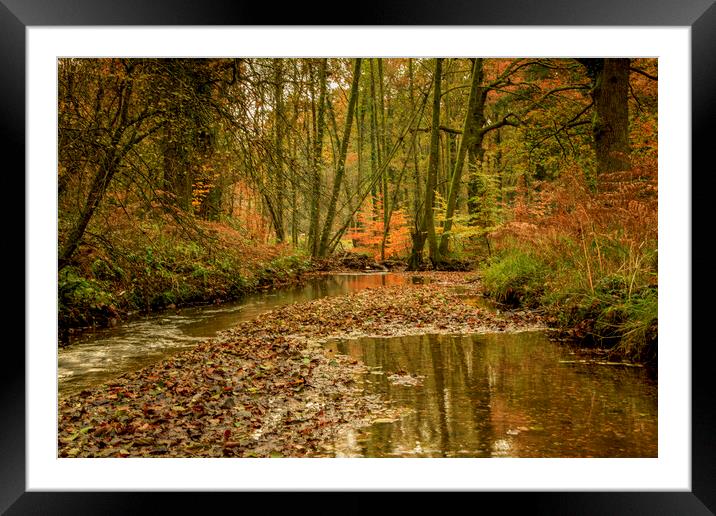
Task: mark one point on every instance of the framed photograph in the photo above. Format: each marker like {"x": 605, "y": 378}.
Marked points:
{"x": 678, "y": 36}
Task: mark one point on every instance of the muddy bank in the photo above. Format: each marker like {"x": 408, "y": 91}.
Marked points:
{"x": 267, "y": 388}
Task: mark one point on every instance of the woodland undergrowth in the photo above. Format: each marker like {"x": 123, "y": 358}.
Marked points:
{"x": 586, "y": 251}
{"x": 131, "y": 264}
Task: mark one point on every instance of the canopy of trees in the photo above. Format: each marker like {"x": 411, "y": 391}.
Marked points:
{"x": 420, "y": 158}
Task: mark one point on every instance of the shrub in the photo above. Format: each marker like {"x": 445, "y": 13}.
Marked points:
{"x": 82, "y": 301}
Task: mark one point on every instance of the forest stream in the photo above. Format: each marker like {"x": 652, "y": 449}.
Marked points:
{"x": 97, "y": 356}
{"x": 497, "y": 387}
{"x": 499, "y": 395}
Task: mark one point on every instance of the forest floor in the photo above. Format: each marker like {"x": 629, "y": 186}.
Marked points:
{"x": 267, "y": 388}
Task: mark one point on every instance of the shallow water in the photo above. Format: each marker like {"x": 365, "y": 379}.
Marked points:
{"x": 105, "y": 354}
{"x": 500, "y": 395}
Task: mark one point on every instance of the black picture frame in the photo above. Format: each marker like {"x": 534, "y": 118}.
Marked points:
{"x": 700, "y": 15}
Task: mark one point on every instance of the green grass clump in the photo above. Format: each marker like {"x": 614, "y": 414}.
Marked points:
{"x": 516, "y": 278}
{"x": 639, "y": 329}
{"x": 627, "y": 322}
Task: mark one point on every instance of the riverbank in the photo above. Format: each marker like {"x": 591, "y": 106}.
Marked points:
{"x": 153, "y": 267}
{"x": 615, "y": 312}
{"x": 586, "y": 251}
{"x": 267, "y": 388}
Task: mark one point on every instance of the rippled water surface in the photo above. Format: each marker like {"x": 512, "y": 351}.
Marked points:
{"x": 500, "y": 395}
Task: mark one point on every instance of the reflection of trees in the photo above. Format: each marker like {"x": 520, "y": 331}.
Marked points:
{"x": 510, "y": 390}
{"x": 322, "y": 289}
{"x": 437, "y": 361}
{"x": 451, "y": 409}
{"x": 479, "y": 402}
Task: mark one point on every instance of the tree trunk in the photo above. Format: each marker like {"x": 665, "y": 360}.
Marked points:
{"x": 278, "y": 151}
{"x": 475, "y": 149}
{"x": 374, "y": 144}
{"x": 96, "y": 194}
{"x": 293, "y": 145}
{"x": 414, "y": 150}
{"x": 317, "y": 162}
{"x": 610, "y": 119}
{"x": 176, "y": 168}
{"x": 378, "y": 119}
{"x": 469, "y": 132}
{"x": 340, "y": 172}
{"x": 426, "y": 230}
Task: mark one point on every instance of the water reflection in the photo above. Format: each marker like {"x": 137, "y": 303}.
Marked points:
{"x": 502, "y": 395}
{"x": 104, "y": 354}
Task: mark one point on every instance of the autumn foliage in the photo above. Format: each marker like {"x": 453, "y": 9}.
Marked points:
{"x": 181, "y": 175}
{"x": 620, "y": 206}
{"x": 368, "y": 234}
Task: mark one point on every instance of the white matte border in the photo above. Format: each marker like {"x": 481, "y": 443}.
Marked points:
{"x": 671, "y": 471}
